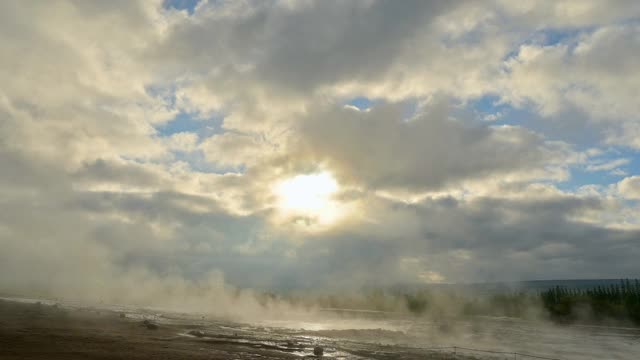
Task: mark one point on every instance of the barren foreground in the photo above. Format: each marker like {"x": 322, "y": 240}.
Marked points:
{"x": 40, "y": 331}
{"x": 30, "y": 331}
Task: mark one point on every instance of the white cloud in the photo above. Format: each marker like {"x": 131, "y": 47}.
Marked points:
{"x": 94, "y": 188}
{"x": 591, "y": 73}
{"x": 629, "y": 187}
{"x": 182, "y": 141}
{"x": 235, "y": 149}
{"x": 607, "y": 165}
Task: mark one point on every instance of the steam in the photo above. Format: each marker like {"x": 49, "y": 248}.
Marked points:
{"x": 141, "y": 288}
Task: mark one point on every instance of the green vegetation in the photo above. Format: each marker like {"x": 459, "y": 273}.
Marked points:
{"x": 516, "y": 304}
{"x": 619, "y": 302}
{"x": 595, "y": 304}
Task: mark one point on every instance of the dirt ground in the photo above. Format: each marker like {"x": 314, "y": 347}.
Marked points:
{"x": 31, "y": 331}
{"x": 45, "y": 331}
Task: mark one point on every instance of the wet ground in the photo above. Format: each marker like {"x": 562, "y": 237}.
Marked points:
{"x": 46, "y": 330}
{"x": 49, "y": 331}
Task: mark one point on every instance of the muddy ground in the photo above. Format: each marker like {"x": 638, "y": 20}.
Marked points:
{"x": 32, "y": 331}
{"x": 45, "y": 331}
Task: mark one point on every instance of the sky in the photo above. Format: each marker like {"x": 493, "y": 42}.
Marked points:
{"x": 302, "y": 144}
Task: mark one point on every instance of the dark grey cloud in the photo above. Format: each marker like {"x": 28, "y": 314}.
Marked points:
{"x": 478, "y": 240}
{"x": 382, "y": 149}
{"x": 298, "y": 48}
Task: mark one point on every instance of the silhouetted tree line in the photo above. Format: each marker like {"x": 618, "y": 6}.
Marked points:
{"x": 512, "y": 304}
{"x": 564, "y": 304}
{"x": 620, "y": 302}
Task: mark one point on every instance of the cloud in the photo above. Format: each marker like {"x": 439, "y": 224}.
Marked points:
{"x": 607, "y": 165}
{"x": 101, "y": 200}
{"x": 569, "y": 13}
{"x": 235, "y": 149}
{"x": 427, "y": 152}
{"x": 590, "y": 73}
{"x": 460, "y": 240}
{"x": 629, "y": 187}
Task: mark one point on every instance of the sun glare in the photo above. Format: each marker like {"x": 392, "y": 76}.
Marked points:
{"x": 309, "y": 196}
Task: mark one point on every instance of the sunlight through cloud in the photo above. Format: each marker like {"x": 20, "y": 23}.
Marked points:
{"x": 309, "y": 197}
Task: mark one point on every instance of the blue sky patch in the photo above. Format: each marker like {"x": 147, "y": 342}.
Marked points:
{"x": 361, "y": 102}
{"x": 550, "y": 37}
{"x": 581, "y": 177}
{"x": 601, "y": 170}
{"x": 489, "y": 108}
{"x": 189, "y": 5}
{"x": 186, "y": 122}
{"x": 203, "y": 128}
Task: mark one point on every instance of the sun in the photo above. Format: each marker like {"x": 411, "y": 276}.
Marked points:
{"x": 309, "y": 196}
